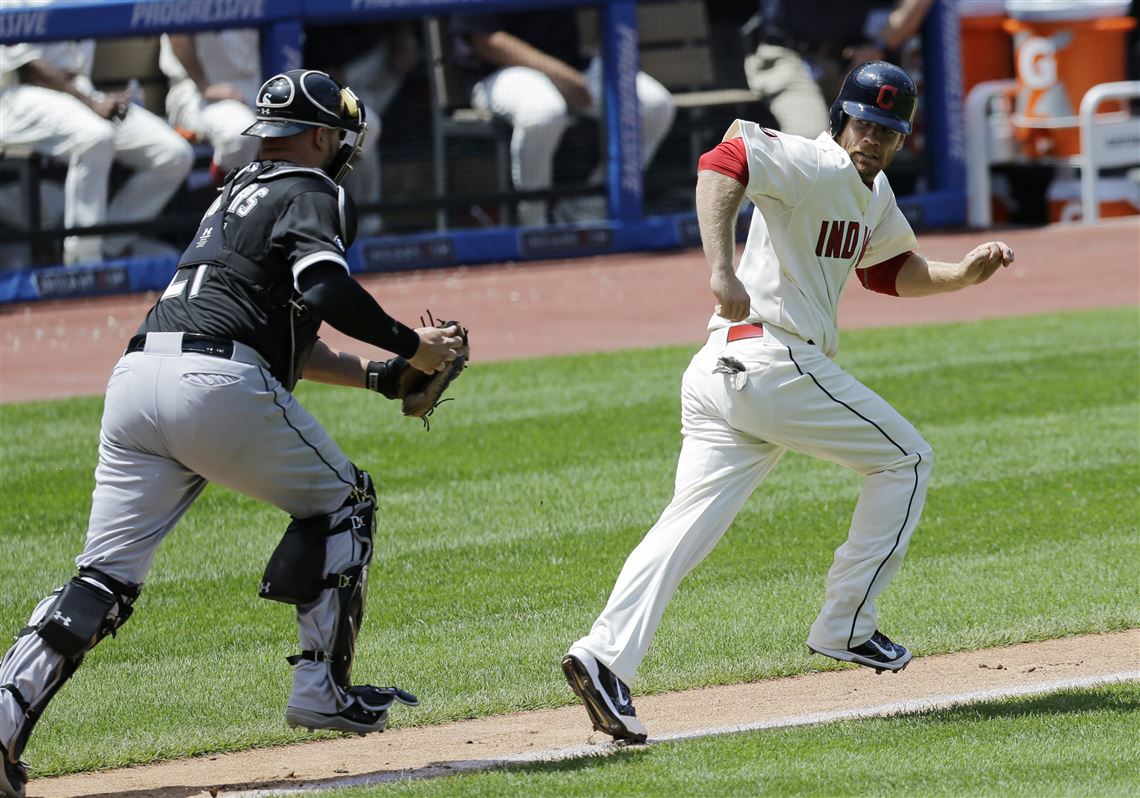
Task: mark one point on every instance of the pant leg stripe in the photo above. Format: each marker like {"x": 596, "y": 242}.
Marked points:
{"x": 849, "y": 407}
{"x": 305, "y": 441}
{"x": 909, "y": 505}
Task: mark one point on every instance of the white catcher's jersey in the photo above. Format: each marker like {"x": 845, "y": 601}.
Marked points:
{"x": 815, "y": 221}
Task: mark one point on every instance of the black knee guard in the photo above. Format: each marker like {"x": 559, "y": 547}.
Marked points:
{"x": 325, "y": 558}
{"x": 87, "y": 609}
{"x": 71, "y": 621}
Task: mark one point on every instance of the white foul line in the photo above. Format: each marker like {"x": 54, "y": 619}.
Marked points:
{"x": 908, "y": 707}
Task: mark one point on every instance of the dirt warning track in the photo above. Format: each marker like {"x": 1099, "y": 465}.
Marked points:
{"x": 629, "y": 301}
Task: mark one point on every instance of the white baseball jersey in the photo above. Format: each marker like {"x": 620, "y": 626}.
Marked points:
{"x": 808, "y": 190}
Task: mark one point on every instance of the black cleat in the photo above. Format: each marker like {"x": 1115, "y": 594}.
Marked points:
{"x": 367, "y": 712}
{"x": 878, "y": 653}
{"x": 606, "y": 697}
{"x": 13, "y": 776}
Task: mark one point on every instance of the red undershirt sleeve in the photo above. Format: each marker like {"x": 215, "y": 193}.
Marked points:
{"x": 729, "y": 158}
{"x": 882, "y": 276}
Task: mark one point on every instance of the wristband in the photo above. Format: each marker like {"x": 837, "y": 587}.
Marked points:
{"x": 379, "y": 376}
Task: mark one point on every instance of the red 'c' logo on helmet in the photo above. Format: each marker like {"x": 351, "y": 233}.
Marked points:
{"x": 886, "y": 99}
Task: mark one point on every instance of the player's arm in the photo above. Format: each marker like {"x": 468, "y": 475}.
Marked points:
{"x": 921, "y": 277}
{"x": 39, "y": 72}
{"x": 335, "y": 368}
{"x": 505, "y": 49}
{"x": 721, "y": 181}
{"x": 353, "y": 371}
{"x": 344, "y": 304}
{"x": 182, "y": 44}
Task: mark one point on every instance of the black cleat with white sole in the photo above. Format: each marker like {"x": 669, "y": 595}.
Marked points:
{"x": 606, "y": 697}
{"x": 367, "y": 712}
{"x": 878, "y": 653}
{"x": 13, "y": 776}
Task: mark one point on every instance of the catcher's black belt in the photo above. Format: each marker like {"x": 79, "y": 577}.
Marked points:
{"x": 191, "y": 342}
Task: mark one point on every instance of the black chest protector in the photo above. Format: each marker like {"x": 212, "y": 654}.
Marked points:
{"x": 231, "y": 236}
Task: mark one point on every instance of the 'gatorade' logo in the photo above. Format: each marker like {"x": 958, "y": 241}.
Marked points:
{"x": 886, "y": 99}
{"x": 1037, "y": 62}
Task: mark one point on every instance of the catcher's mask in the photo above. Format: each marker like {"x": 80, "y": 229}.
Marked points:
{"x": 876, "y": 92}
{"x": 296, "y": 100}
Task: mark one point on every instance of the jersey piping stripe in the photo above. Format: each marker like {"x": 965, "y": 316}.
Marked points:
{"x": 279, "y": 171}
{"x": 909, "y": 504}
{"x": 317, "y": 257}
{"x": 300, "y": 435}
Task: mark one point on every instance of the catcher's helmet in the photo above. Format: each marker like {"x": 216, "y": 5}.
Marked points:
{"x": 876, "y": 92}
{"x": 299, "y": 99}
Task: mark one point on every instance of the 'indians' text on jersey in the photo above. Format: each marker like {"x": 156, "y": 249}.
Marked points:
{"x": 815, "y": 221}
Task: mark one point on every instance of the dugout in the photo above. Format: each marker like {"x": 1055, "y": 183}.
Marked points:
{"x": 460, "y": 212}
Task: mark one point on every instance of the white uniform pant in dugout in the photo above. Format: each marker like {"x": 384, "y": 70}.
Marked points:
{"x": 531, "y": 102}
{"x": 61, "y": 127}
{"x": 736, "y": 426}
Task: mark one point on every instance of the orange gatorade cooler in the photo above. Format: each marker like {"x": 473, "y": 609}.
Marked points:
{"x": 1063, "y": 49}
{"x": 1116, "y": 196}
{"x": 987, "y": 49}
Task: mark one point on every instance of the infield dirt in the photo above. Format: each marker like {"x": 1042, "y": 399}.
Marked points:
{"x": 439, "y": 750}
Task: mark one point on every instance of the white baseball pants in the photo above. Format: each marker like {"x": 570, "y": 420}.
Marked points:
{"x": 735, "y": 428}
{"x": 61, "y": 127}
{"x": 538, "y": 112}
{"x": 220, "y": 123}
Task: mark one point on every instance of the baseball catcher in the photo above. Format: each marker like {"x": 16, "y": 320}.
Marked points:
{"x": 204, "y": 393}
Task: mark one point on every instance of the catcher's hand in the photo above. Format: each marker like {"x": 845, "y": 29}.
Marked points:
{"x": 419, "y": 392}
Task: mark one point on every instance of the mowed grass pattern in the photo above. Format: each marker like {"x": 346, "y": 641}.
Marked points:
{"x": 502, "y": 529}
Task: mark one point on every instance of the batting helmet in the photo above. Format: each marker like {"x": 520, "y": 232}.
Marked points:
{"x": 876, "y": 92}
{"x": 299, "y": 99}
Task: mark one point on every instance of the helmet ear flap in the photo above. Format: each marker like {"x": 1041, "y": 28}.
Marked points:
{"x": 838, "y": 119}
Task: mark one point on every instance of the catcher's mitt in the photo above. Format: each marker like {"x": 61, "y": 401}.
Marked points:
{"x": 419, "y": 393}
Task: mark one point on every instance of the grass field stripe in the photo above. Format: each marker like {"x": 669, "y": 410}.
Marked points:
{"x": 912, "y": 706}
{"x": 908, "y": 707}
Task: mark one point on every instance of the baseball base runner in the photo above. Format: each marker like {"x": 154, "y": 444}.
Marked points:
{"x": 766, "y": 382}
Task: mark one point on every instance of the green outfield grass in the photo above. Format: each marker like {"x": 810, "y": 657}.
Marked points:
{"x": 502, "y": 529}
{"x": 1067, "y": 743}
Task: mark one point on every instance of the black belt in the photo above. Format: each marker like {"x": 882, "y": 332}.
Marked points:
{"x": 803, "y": 46}
{"x": 191, "y": 342}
